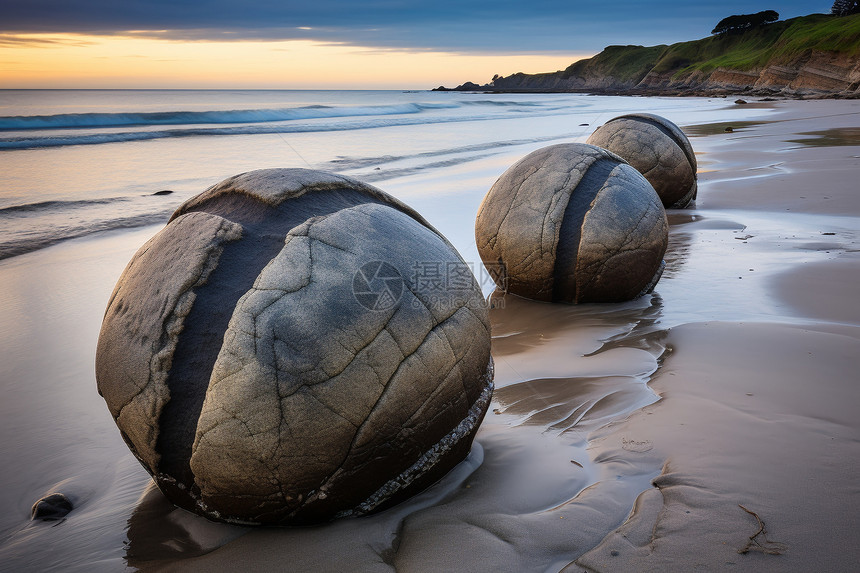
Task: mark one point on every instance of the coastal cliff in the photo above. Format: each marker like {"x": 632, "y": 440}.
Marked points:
{"x": 816, "y": 55}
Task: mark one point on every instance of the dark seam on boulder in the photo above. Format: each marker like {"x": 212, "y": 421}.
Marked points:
{"x": 168, "y": 318}
{"x": 163, "y": 348}
{"x": 570, "y": 235}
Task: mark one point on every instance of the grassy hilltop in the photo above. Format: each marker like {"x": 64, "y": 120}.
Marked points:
{"x": 816, "y": 53}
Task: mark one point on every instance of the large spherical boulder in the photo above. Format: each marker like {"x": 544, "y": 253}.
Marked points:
{"x": 277, "y": 354}
{"x": 658, "y": 149}
{"x": 572, "y": 223}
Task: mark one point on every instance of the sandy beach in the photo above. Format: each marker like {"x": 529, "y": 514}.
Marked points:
{"x": 711, "y": 425}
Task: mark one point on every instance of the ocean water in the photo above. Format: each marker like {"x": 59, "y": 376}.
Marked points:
{"x": 77, "y": 162}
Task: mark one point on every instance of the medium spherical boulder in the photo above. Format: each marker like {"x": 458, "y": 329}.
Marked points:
{"x": 573, "y": 223}
{"x": 276, "y": 354}
{"x": 658, "y": 149}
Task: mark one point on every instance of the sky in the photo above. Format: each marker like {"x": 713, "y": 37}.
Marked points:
{"x": 380, "y": 44}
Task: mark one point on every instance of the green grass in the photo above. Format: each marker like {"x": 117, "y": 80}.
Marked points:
{"x": 780, "y": 42}
{"x": 743, "y": 51}
{"x": 820, "y": 32}
{"x": 777, "y": 43}
{"x": 624, "y": 63}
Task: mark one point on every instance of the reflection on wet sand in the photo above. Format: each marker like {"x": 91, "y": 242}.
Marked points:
{"x": 835, "y": 137}
{"x": 568, "y": 404}
{"x": 158, "y": 532}
{"x": 680, "y": 241}
{"x": 704, "y": 129}
{"x": 572, "y": 369}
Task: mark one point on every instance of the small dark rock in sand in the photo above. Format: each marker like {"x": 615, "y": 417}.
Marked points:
{"x": 658, "y": 149}
{"x": 573, "y": 223}
{"x": 51, "y": 507}
{"x": 740, "y": 101}
{"x": 163, "y": 192}
{"x": 282, "y": 351}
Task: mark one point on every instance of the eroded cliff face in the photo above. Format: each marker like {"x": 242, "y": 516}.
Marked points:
{"x": 557, "y": 82}
{"x": 824, "y": 71}
{"x": 817, "y": 73}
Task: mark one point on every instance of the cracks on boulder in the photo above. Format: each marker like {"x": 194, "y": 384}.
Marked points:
{"x": 439, "y": 325}
{"x": 636, "y": 238}
{"x": 493, "y": 239}
{"x": 388, "y": 389}
{"x": 677, "y": 138}
{"x": 190, "y": 333}
{"x": 430, "y": 458}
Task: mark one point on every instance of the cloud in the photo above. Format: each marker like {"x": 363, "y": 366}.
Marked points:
{"x": 12, "y": 41}
{"x": 514, "y": 26}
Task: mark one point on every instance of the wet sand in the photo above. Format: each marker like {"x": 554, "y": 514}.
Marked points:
{"x": 660, "y": 434}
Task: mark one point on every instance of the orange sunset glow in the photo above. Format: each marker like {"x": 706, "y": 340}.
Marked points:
{"x": 87, "y": 61}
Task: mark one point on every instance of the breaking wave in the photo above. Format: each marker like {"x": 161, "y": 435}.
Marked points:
{"x": 96, "y": 120}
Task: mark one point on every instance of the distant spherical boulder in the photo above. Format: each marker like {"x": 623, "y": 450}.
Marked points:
{"x": 658, "y": 149}
{"x": 573, "y": 223}
{"x": 295, "y": 346}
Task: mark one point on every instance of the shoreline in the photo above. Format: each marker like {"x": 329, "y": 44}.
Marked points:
{"x": 620, "y": 437}
{"x": 769, "y": 94}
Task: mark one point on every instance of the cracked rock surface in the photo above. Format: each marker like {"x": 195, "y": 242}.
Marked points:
{"x": 256, "y": 386}
{"x": 573, "y": 223}
{"x": 658, "y": 149}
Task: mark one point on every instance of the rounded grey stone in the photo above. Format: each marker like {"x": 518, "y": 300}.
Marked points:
{"x": 658, "y": 149}
{"x": 52, "y": 507}
{"x": 572, "y": 223}
{"x": 252, "y": 373}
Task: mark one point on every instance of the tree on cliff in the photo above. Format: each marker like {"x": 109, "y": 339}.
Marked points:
{"x": 845, "y": 7}
{"x": 741, "y": 22}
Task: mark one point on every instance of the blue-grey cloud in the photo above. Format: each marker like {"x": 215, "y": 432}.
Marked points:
{"x": 520, "y": 26}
